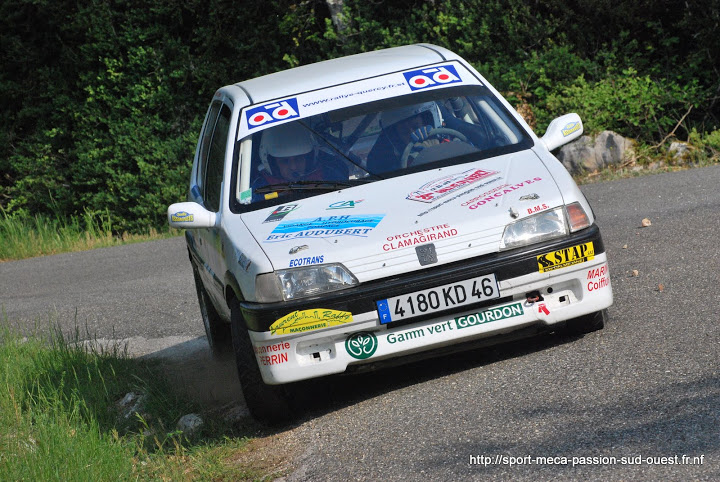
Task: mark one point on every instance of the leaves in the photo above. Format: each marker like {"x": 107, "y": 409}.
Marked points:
{"x": 102, "y": 103}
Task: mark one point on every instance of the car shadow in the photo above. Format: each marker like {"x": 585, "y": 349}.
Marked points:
{"x": 213, "y": 383}
{"x": 340, "y": 391}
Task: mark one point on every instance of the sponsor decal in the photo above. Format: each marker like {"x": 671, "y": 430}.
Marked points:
{"x": 432, "y": 77}
{"x": 459, "y": 195}
{"x": 598, "y": 278}
{"x": 243, "y": 261}
{"x": 570, "y": 128}
{"x": 297, "y": 249}
{"x": 361, "y": 345}
{"x": 182, "y": 217}
{"x": 270, "y": 113}
{"x": 492, "y": 314}
{"x": 362, "y": 92}
{"x": 309, "y": 320}
{"x": 274, "y": 354}
{"x": 308, "y": 260}
{"x": 325, "y": 227}
{"x": 496, "y": 193}
{"x": 344, "y": 204}
{"x": 280, "y": 212}
{"x": 409, "y": 335}
{"x": 565, "y": 257}
{"x": 420, "y": 236}
{"x": 537, "y": 209}
{"x": 438, "y": 188}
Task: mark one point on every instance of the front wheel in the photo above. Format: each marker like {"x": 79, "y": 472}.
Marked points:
{"x": 267, "y": 403}
{"x": 216, "y": 330}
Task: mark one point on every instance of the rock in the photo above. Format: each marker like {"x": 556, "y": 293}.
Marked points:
{"x": 646, "y": 222}
{"x": 190, "y": 424}
{"x": 679, "y": 150}
{"x": 577, "y": 154}
{"x": 130, "y": 404}
{"x": 588, "y": 154}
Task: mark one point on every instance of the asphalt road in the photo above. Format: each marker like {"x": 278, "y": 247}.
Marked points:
{"x": 646, "y": 387}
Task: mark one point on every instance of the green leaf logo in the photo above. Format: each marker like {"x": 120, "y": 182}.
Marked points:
{"x": 361, "y": 345}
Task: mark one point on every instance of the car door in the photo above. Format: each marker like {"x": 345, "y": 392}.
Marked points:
{"x": 208, "y": 191}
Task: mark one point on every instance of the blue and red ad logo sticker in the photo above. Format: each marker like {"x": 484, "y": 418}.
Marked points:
{"x": 432, "y": 77}
{"x": 273, "y": 112}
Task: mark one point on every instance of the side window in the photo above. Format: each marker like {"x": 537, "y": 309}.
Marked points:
{"x": 216, "y": 160}
{"x": 205, "y": 144}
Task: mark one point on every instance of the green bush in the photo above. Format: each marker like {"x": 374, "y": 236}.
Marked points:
{"x": 102, "y": 102}
{"x": 630, "y": 104}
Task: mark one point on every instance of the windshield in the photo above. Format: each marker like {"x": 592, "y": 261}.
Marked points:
{"x": 376, "y": 141}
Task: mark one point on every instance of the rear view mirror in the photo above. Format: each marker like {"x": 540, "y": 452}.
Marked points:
{"x": 562, "y": 130}
{"x": 189, "y": 215}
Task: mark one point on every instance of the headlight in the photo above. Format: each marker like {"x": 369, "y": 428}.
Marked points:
{"x": 296, "y": 283}
{"x": 534, "y": 229}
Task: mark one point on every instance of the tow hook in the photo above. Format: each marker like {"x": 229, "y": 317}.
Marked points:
{"x": 534, "y": 296}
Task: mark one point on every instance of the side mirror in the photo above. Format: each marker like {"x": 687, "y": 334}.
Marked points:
{"x": 562, "y": 130}
{"x": 190, "y": 215}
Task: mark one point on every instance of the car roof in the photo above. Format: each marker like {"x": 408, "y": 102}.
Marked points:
{"x": 342, "y": 70}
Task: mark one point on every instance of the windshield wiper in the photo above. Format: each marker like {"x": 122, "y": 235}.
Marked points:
{"x": 304, "y": 186}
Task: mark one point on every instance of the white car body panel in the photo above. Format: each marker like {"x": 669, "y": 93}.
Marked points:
{"x": 388, "y": 248}
{"x": 373, "y": 230}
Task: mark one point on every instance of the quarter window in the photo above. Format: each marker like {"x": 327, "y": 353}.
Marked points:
{"x": 216, "y": 160}
{"x": 205, "y": 144}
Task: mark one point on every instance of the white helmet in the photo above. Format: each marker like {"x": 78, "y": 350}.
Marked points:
{"x": 285, "y": 140}
{"x": 390, "y": 117}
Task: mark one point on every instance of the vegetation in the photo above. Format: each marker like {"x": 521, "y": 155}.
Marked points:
{"x": 101, "y": 102}
{"x": 61, "y": 419}
{"x": 39, "y": 235}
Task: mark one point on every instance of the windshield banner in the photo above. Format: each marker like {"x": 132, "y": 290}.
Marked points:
{"x": 258, "y": 117}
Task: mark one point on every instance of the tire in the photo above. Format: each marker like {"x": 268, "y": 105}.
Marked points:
{"x": 583, "y": 325}
{"x": 217, "y": 331}
{"x": 269, "y": 404}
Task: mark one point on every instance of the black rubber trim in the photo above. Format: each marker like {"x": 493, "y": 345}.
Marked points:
{"x": 361, "y": 299}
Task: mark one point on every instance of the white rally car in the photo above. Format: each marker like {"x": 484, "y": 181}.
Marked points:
{"x": 363, "y": 209}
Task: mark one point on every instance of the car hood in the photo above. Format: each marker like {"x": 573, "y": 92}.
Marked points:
{"x": 383, "y": 228}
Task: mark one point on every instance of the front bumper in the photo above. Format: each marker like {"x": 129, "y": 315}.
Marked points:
{"x": 567, "y": 293}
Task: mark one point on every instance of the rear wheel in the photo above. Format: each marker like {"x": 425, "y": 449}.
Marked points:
{"x": 267, "y": 403}
{"x": 216, "y": 330}
{"x": 587, "y": 323}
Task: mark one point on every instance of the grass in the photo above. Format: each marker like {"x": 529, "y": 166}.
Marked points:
{"x": 60, "y": 419}
{"x": 40, "y": 235}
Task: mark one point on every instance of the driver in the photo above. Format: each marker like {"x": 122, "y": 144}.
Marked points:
{"x": 400, "y": 127}
{"x": 288, "y": 153}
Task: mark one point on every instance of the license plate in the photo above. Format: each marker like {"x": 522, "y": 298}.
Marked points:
{"x": 440, "y": 298}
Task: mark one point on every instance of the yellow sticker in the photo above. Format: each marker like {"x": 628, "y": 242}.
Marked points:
{"x": 271, "y": 195}
{"x": 182, "y": 217}
{"x": 308, "y": 320}
{"x": 565, "y": 257}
